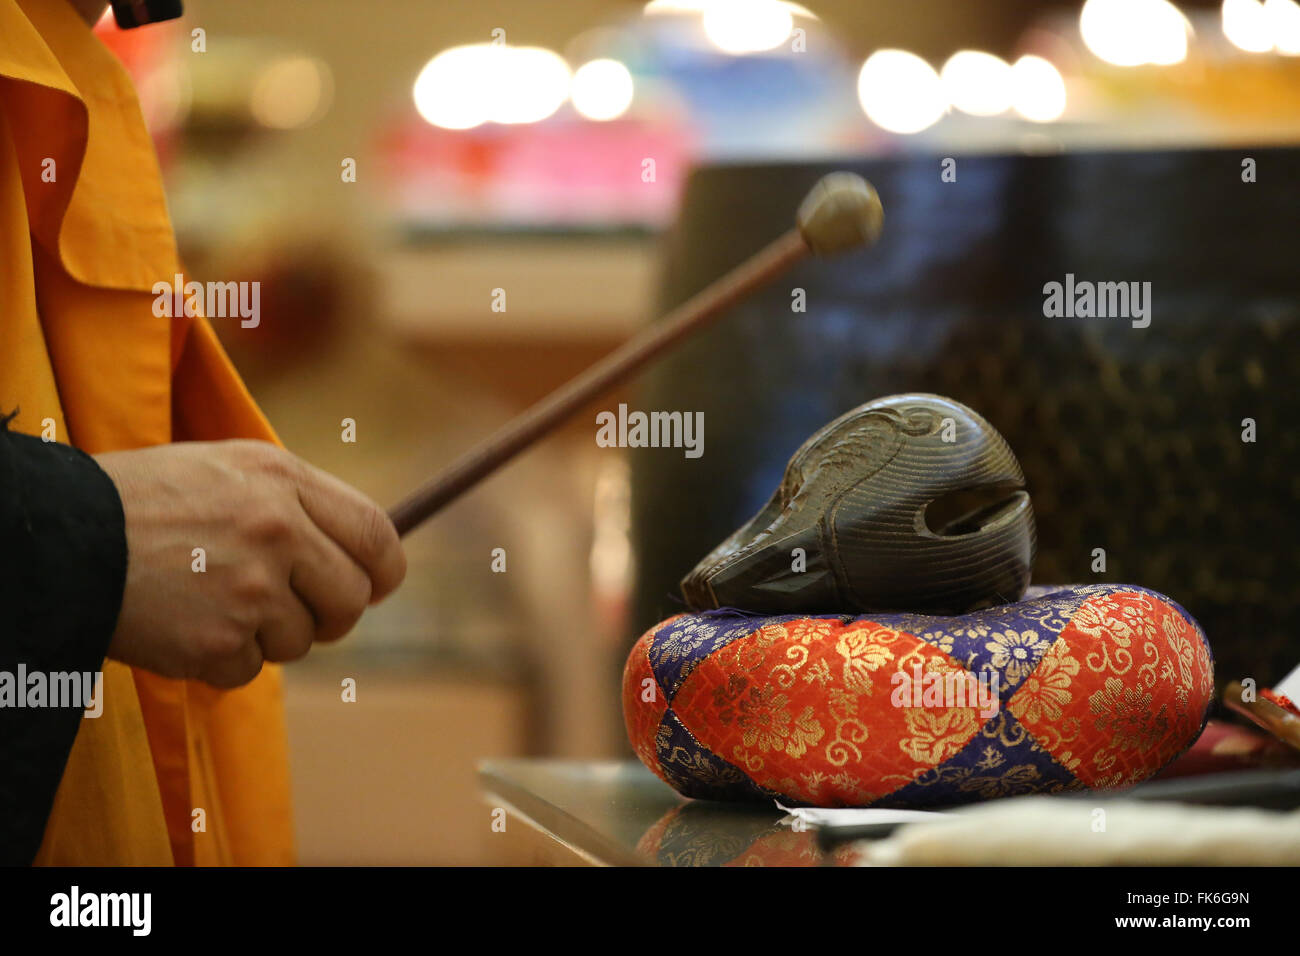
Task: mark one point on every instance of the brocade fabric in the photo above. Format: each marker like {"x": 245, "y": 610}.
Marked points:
{"x": 1094, "y": 686}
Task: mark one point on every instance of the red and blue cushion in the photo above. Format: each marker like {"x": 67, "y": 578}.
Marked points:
{"x": 1096, "y": 686}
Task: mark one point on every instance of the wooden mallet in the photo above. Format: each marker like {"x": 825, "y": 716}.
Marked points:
{"x": 842, "y": 212}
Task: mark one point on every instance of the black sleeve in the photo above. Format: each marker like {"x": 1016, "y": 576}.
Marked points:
{"x": 62, "y": 572}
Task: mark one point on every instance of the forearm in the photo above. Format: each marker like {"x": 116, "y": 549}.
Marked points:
{"x": 62, "y": 571}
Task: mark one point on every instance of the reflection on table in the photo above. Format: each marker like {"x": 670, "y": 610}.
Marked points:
{"x": 617, "y": 813}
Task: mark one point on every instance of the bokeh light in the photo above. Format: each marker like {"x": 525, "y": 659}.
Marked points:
{"x": 1284, "y": 24}
{"x": 602, "y": 89}
{"x": 747, "y": 26}
{"x": 1245, "y": 24}
{"x": 291, "y": 92}
{"x": 1038, "y": 89}
{"x": 1135, "y": 32}
{"x": 900, "y": 92}
{"x": 466, "y": 86}
{"x": 977, "y": 83}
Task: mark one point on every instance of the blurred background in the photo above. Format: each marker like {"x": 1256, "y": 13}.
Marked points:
{"x": 454, "y": 207}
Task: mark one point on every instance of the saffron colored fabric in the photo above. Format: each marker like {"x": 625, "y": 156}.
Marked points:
{"x": 84, "y": 235}
{"x": 1096, "y": 686}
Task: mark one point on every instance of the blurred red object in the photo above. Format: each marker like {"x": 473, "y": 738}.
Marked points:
{"x": 563, "y": 172}
{"x": 145, "y": 53}
{"x": 1224, "y": 747}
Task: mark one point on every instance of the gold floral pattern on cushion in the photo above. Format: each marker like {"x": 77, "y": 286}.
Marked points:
{"x": 935, "y": 735}
{"x": 1127, "y": 704}
{"x": 766, "y": 724}
{"x": 1124, "y": 713}
{"x": 1092, "y": 686}
{"x": 783, "y": 709}
{"x": 1016, "y": 652}
{"x": 1046, "y": 691}
{"x": 862, "y": 657}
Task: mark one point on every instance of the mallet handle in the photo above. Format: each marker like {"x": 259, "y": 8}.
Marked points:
{"x": 515, "y": 436}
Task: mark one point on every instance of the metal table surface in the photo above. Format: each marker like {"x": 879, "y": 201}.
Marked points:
{"x": 617, "y": 813}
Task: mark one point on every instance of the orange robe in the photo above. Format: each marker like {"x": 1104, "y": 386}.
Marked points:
{"x": 84, "y": 235}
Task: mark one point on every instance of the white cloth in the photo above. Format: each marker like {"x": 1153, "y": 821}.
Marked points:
{"x": 831, "y": 817}
{"x": 1043, "y": 831}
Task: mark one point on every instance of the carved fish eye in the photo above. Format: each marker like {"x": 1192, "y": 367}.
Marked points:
{"x": 968, "y": 510}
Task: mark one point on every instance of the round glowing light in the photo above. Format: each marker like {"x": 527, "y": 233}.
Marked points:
{"x": 289, "y": 93}
{"x": 1245, "y": 24}
{"x": 1135, "y": 32}
{"x": 487, "y": 82}
{"x": 1038, "y": 90}
{"x": 1169, "y": 31}
{"x": 900, "y": 92}
{"x": 977, "y": 83}
{"x": 747, "y": 26}
{"x": 602, "y": 89}
{"x": 536, "y": 84}
{"x": 1284, "y": 23}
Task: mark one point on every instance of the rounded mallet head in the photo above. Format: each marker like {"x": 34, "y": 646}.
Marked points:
{"x": 842, "y": 212}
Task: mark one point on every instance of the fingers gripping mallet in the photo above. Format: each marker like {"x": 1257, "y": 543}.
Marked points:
{"x": 842, "y": 212}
